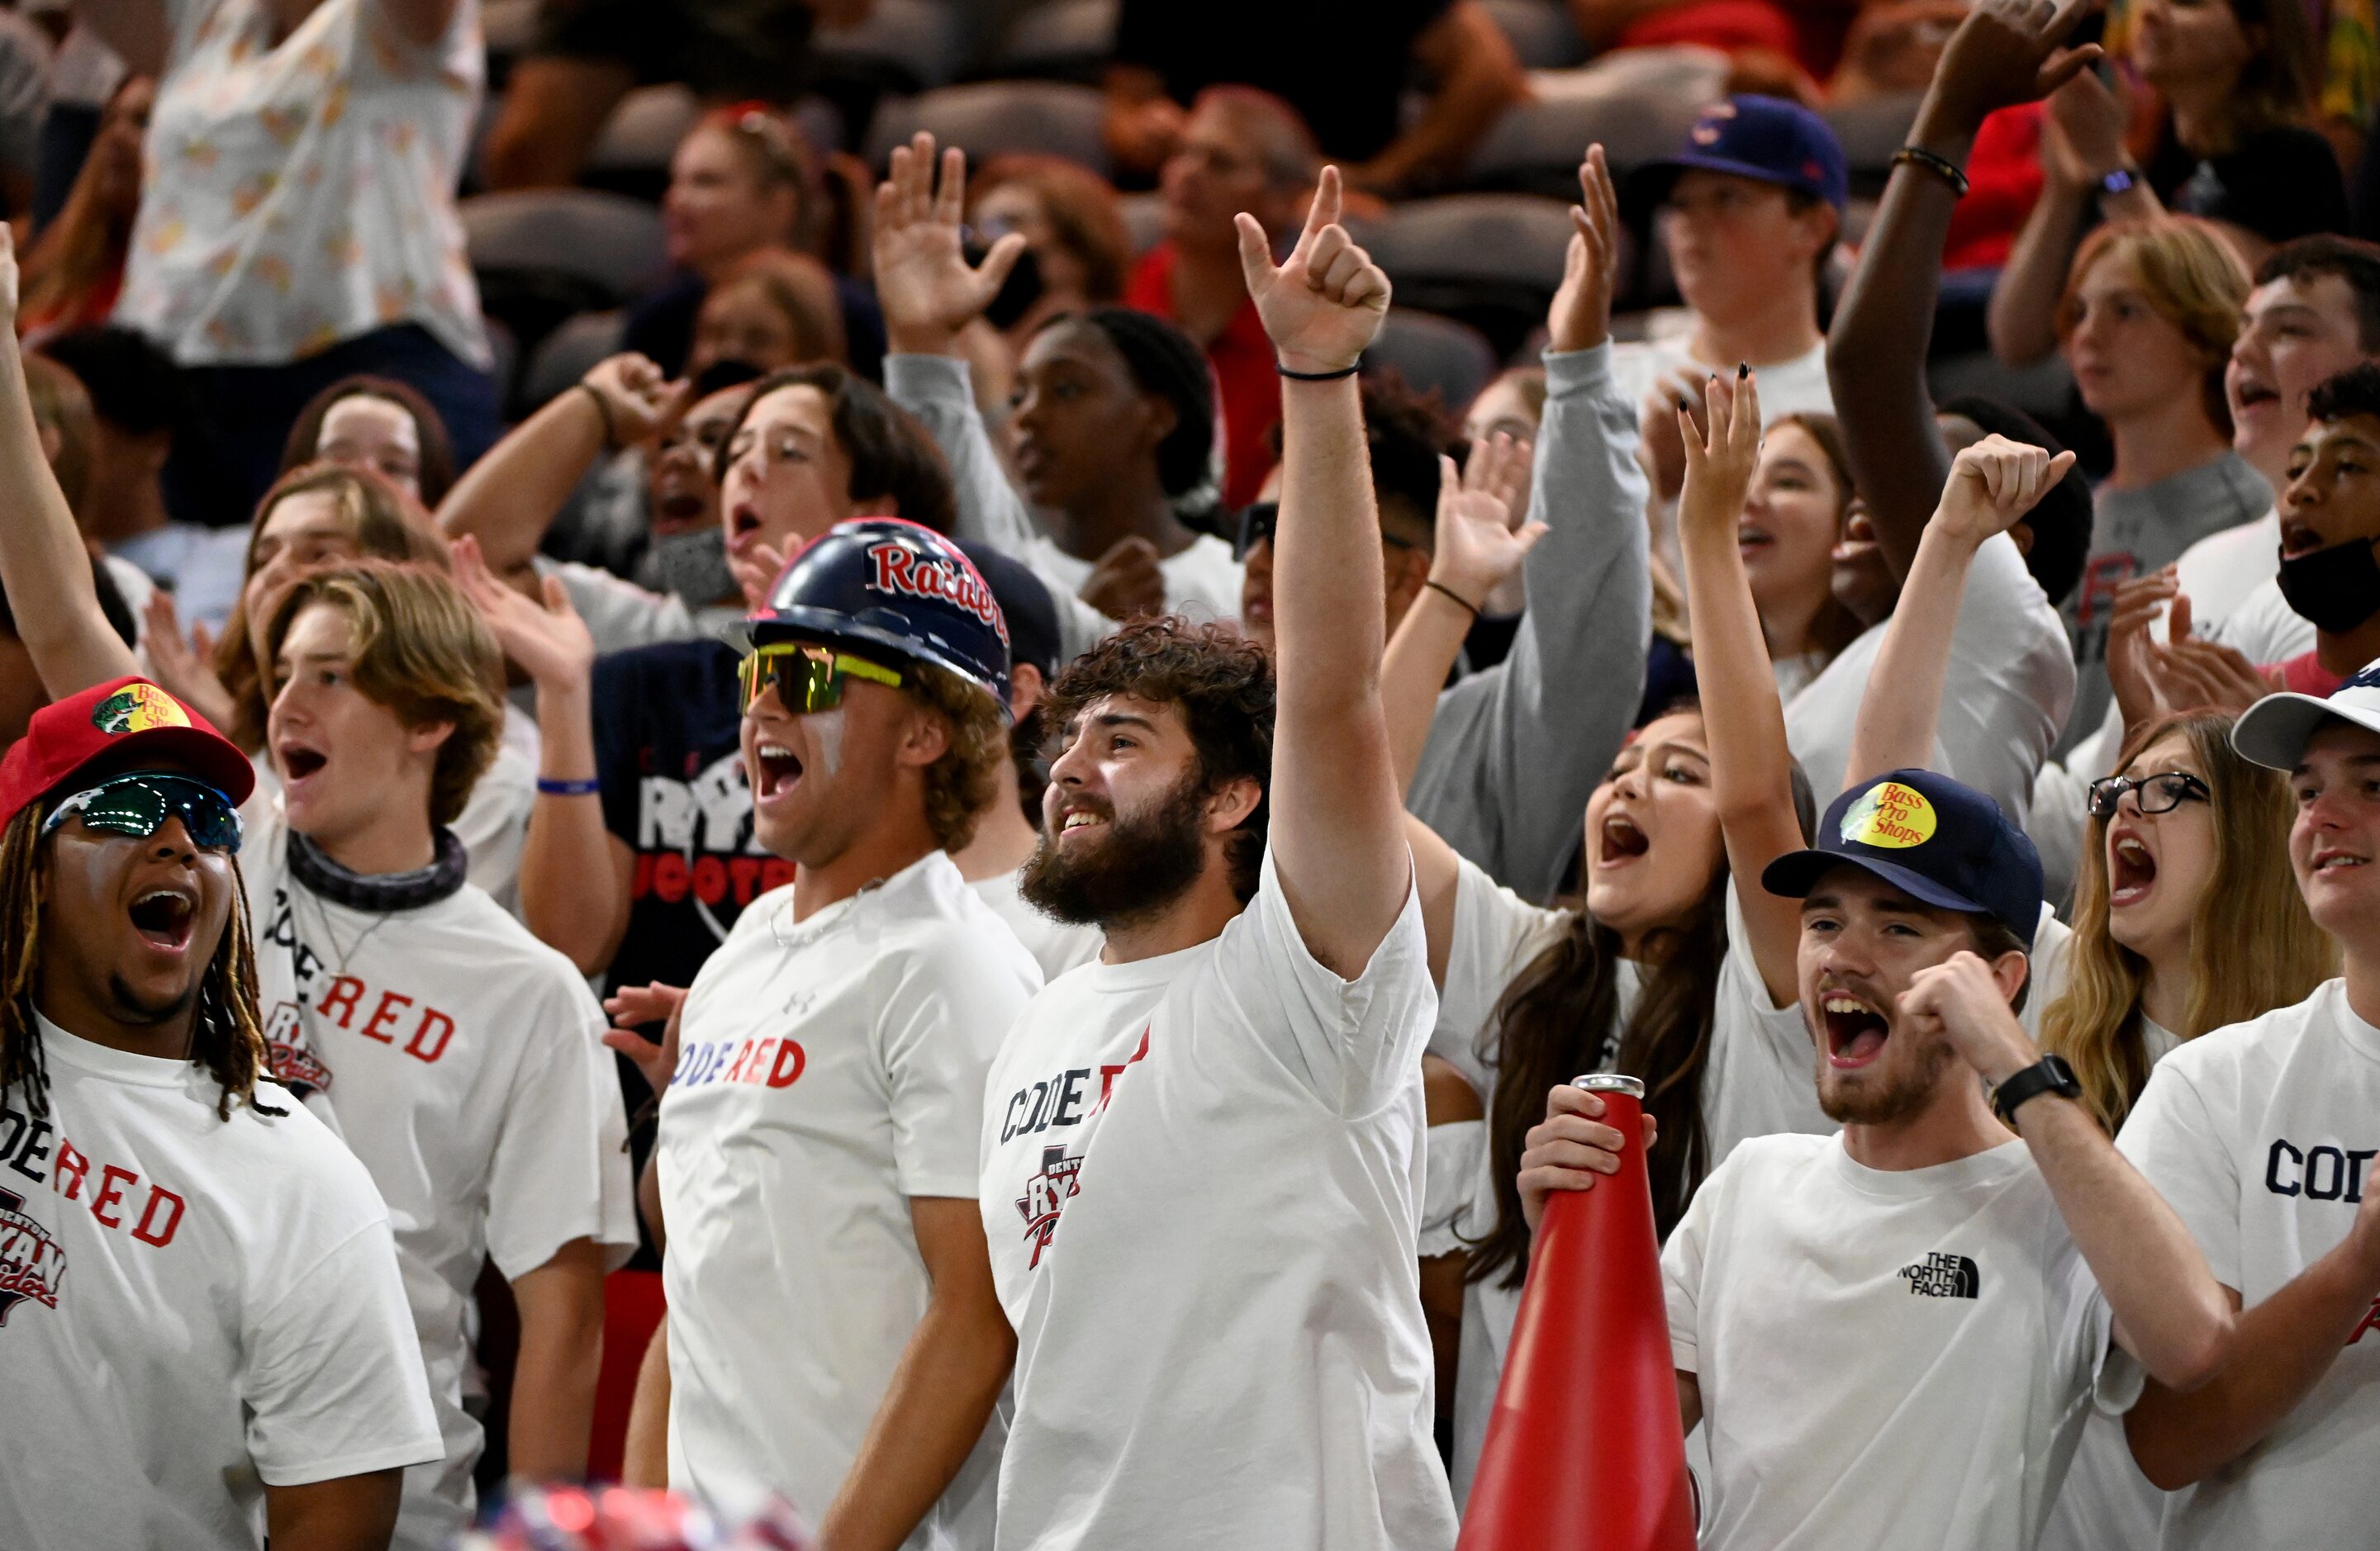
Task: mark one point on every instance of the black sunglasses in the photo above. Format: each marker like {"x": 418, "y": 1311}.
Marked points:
{"x": 1259, "y": 519}
{"x": 138, "y": 805}
{"x": 2155, "y": 793}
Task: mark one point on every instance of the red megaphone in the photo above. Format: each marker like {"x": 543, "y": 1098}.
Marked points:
{"x": 1583, "y": 1448}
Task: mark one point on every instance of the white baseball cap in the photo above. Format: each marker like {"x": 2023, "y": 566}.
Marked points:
{"x": 2273, "y": 731}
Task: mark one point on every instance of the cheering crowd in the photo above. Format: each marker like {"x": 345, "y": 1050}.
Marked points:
{"x": 963, "y": 887}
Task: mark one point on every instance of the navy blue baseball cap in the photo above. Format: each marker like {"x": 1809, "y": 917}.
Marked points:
{"x": 888, "y": 588}
{"x": 1933, "y": 839}
{"x": 1764, "y": 137}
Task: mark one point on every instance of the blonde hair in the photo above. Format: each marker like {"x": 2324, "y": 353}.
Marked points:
{"x": 62, "y": 403}
{"x": 422, "y": 651}
{"x": 385, "y": 525}
{"x": 963, "y": 782}
{"x": 2191, "y": 277}
{"x": 2273, "y": 955}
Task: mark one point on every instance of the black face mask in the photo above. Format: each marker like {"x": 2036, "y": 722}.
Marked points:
{"x": 2334, "y": 589}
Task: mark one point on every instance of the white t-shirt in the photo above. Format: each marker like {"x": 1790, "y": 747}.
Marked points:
{"x": 1054, "y": 945}
{"x": 2006, "y": 693}
{"x": 830, "y": 1070}
{"x": 1798, "y": 386}
{"x": 1202, "y": 1187}
{"x": 1886, "y": 1359}
{"x": 2262, "y": 1137}
{"x": 1202, "y": 582}
{"x": 621, "y": 616}
{"x": 463, "y": 1061}
{"x": 301, "y": 192}
{"x": 2223, "y": 570}
{"x": 2264, "y": 627}
{"x": 1759, "y": 1077}
{"x": 191, "y": 1309}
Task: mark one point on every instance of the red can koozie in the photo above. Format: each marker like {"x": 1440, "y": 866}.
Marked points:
{"x": 1583, "y": 1448}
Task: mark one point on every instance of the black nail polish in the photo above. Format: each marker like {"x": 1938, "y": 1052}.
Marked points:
{"x": 1743, "y": 371}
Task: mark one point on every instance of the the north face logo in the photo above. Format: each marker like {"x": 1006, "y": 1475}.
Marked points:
{"x": 31, "y": 1263}
{"x": 1942, "y": 1276}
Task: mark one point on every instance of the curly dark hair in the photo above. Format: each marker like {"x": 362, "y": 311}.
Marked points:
{"x": 1223, "y": 684}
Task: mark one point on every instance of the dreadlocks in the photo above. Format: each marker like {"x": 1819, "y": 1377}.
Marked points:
{"x": 228, "y": 1036}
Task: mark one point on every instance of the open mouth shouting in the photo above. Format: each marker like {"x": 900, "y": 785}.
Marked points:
{"x": 1080, "y": 819}
{"x": 1620, "y": 842}
{"x": 776, "y": 771}
{"x": 301, "y": 763}
{"x": 165, "y": 916}
{"x": 1751, "y": 538}
{"x": 2252, "y": 393}
{"x": 2131, "y": 868}
{"x": 1855, "y": 1029}
{"x": 743, "y": 528}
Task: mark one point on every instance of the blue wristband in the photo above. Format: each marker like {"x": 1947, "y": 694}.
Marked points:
{"x": 568, "y": 788}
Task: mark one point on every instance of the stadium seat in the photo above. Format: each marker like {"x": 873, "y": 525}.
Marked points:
{"x": 904, "y": 46}
{"x": 642, "y": 134}
{"x": 1540, "y": 32}
{"x": 1055, "y": 118}
{"x": 568, "y": 354}
{"x": 1433, "y": 355}
{"x": 544, "y": 254}
{"x": 1489, "y": 260}
{"x": 1638, "y": 104}
{"x": 1057, "y": 39}
{"x": 1871, "y": 131}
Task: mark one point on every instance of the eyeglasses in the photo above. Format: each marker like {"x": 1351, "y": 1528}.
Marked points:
{"x": 1260, "y": 518}
{"x": 139, "y": 804}
{"x": 2155, "y": 793}
{"x": 809, "y": 678}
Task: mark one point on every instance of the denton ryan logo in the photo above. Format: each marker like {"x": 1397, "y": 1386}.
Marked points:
{"x": 1942, "y": 1276}
{"x": 31, "y": 1263}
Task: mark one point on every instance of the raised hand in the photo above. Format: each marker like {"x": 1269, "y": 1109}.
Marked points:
{"x": 638, "y": 398}
{"x": 2082, "y": 133}
{"x": 1657, "y": 428}
{"x": 2006, "y": 52}
{"x": 2131, "y": 654}
{"x": 1719, "y": 461}
{"x": 1478, "y": 548}
{"x": 1569, "y": 1148}
{"x": 633, "y": 1006}
{"x": 1992, "y": 483}
{"x": 1323, "y": 305}
{"x": 2192, "y": 674}
{"x": 1960, "y": 999}
{"x": 756, "y": 572}
{"x": 184, "y": 666}
{"x": 549, "y": 641}
{"x": 1128, "y": 582}
{"x": 1580, "y": 317}
{"x": 923, "y": 280}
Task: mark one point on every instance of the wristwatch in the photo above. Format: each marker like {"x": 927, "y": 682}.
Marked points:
{"x": 2049, "y": 1074}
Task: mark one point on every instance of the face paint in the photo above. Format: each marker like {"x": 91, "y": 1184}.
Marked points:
{"x": 827, "y": 728}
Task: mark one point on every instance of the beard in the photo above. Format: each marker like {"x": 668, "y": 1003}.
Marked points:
{"x": 1143, "y": 865}
{"x": 1894, "y": 1099}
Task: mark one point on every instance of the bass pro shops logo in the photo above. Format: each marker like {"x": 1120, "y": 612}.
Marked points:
{"x": 31, "y": 1263}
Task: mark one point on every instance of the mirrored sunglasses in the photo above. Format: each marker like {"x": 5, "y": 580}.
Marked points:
{"x": 139, "y": 804}
{"x": 809, "y": 677}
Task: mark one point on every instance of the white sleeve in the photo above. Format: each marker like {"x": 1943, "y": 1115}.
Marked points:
{"x": 2083, "y": 1328}
{"x": 559, "y": 1171}
{"x": 944, "y": 1016}
{"x": 1681, "y": 1275}
{"x": 1495, "y": 934}
{"x": 2174, "y": 1139}
{"x": 1355, "y": 1044}
{"x": 332, "y": 1380}
{"x": 1757, "y": 1076}
{"x": 619, "y": 613}
{"x": 2010, "y": 680}
{"x": 1451, "y": 1158}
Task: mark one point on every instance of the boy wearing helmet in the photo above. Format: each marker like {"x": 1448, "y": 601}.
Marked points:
{"x": 834, "y": 1333}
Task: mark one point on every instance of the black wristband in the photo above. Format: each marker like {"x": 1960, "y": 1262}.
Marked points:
{"x": 1940, "y": 166}
{"x": 1318, "y": 376}
{"x": 610, "y": 432}
{"x": 2049, "y": 1074}
{"x": 1441, "y": 587}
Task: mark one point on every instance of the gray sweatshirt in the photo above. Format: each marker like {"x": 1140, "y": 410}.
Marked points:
{"x": 938, "y": 390}
{"x": 1516, "y": 749}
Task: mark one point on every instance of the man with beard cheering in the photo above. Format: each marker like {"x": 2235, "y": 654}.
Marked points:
{"x": 1202, "y": 1155}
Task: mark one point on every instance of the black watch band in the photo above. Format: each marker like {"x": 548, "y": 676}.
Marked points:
{"x": 2049, "y": 1074}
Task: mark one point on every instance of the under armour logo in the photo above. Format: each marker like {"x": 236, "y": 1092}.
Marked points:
{"x": 1942, "y": 1276}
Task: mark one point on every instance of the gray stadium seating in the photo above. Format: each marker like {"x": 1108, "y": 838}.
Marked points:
{"x": 1055, "y": 118}
{"x": 1434, "y": 354}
